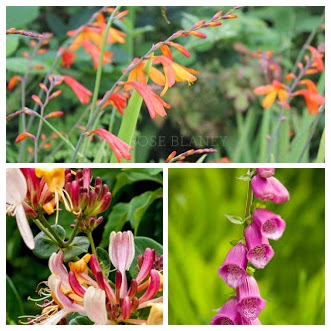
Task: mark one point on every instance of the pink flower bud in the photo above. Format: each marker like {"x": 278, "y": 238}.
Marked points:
{"x": 233, "y": 270}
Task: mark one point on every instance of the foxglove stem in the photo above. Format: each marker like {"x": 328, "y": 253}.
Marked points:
{"x": 249, "y": 199}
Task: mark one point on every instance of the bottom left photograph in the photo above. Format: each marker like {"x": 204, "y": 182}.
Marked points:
{"x": 84, "y": 246}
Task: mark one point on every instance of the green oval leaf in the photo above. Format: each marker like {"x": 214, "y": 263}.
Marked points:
{"x": 139, "y": 205}
{"x": 78, "y": 246}
{"x": 235, "y": 219}
{"x": 44, "y": 245}
{"x": 104, "y": 261}
{"x": 21, "y": 65}
{"x": 81, "y": 320}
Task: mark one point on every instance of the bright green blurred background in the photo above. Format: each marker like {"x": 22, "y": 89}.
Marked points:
{"x": 199, "y": 238}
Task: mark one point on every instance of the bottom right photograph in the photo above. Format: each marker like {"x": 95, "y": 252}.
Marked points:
{"x": 246, "y": 246}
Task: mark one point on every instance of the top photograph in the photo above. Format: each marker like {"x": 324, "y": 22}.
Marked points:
{"x": 165, "y": 84}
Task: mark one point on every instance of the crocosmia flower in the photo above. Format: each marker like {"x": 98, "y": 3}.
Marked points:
{"x": 271, "y": 225}
{"x": 250, "y": 303}
{"x": 259, "y": 250}
{"x": 16, "y": 190}
{"x": 228, "y": 314}
{"x": 269, "y": 189}
{"x": 233, "y": 270}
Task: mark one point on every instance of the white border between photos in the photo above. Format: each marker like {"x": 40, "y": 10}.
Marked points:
{"x": 165, "y": 167}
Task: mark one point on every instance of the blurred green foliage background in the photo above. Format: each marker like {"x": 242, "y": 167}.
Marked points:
{"x": 293, "y": 283}
{"x": 220, "y": 104}
{"x": 137, "y": 205}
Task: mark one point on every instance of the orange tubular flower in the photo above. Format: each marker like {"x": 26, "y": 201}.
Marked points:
{"x": 114, "y": 35}
{"x": 82, "y": 92}
{"x": 94, "y": 52}
{"x": 138, "y": 74}
{"x": 117, "y": 100}
{"x": 67, "y": 58}
{"x": 272, "y": 91}
{"x": 317, "y": 59}
{"x": 119, "y": 147}
{"x": 88, "y": 33}
{"x": 13, "y": 82}
{"x": 311, "y": 96}
{"x": 154, "y": 103}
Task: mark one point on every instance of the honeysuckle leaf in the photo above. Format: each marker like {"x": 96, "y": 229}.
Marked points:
{"x": 139, "y": 205}
{"x": 235, "y": 219}
{"x": 104, "y": 261}
{"x": 80, "y": 320}
{"x": 44, "y": 246}
{"x": 131, "y": 176}
{"x": 78, "y": 246}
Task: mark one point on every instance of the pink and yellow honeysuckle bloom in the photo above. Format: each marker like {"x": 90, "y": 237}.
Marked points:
{"x": 55, "y": 179}
{"x": 16, "y": 190}
{"x": 121, "y": 253}
{"x": 274, "y": 90}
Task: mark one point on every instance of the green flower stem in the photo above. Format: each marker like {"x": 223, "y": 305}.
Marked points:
{"x": 249, "y": 200}
{"x": 64, "y": 139}
{"x": 321, "y": 150}
{"x": 43, "y": 229}
{"x": 73, "y": 234}
{"x": 90, "y": 238}
{"x": 58, "y": 240}
{"x": 99, "y": 71}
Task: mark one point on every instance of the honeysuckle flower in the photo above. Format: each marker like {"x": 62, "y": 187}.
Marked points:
{"x": 95, "y": 306}
{"x": 82, "y": 93}
{"x": 87, "y": 201}
{"x": 233, "y": 270}
{"x": 228, "y": 314}
{"x": 269, "y": 189}
{"x": 250, "y": 303}
{"x": 38, "y": 198}
{"x": 55, "y": 181}
{"x": 271, "y": 225}
{"x": 155, "y": 316}
{"x": 119, "y": 147}
{"x": 121, "y": 254}
{"x": 274, "y": 90}
{"x": 265, "y": 172}
{"x": 154, "y": 103}
{"x": 65, "y": 305}
{"x": 16, "y": 190}
{"x": 259, "y": 250}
